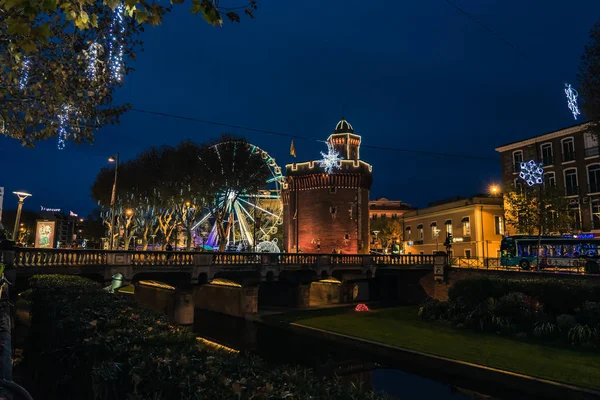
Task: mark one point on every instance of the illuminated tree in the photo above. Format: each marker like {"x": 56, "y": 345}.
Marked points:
{"x": 525, "y": 215}
{"x": 61, "y": 62}
{"x": 390, "y": 229}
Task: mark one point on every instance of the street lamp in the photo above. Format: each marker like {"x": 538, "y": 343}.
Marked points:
{"x": 494, "y": 190}
{"x": 22, "y": 196}
{"x": 114, "y": 159}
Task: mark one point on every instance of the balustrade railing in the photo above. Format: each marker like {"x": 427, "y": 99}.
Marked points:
{"x": 404, "y": 259}
{"x": 31, "y": 257}
{"x": 157, "y": 258}
{"x": 237, "y": 258}
{"x": 296, "y": 259}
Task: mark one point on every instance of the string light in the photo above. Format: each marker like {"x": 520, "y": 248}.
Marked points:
{"x": 63, "y": 120}
{"x": 532, "y": 173}
{"x": 115, "y": 44}
{"x": 331, "y": 160}
{"x": 572, "y": 99}
{"x": 93, "y": 52}
{"x": 24, "y": 74}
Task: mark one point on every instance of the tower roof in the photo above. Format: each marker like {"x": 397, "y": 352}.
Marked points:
{"x": 343, "y": 127}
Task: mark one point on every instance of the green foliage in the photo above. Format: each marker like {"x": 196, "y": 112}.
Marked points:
{"x": 86, "y": 343}
{"x": 434, "y": 309}
{"x": 532, "y": 209}
{"x": 54, "y": 40}
{"x": 566, "y": 310}
{"x": 390, "y": 229}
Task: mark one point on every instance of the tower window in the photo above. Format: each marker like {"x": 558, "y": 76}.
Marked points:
{"x": 347, "y": 236}
{"x": 332, "y": 211}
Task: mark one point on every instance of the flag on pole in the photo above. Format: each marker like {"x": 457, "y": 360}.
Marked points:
{"x": 292, "y": 149}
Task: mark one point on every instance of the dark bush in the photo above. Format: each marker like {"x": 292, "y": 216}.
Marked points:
{"x": 589, "y": 313}
{"x": 85, "y": 343}
{"x": 559, "y": 296}
{"x": 434, "y": 309}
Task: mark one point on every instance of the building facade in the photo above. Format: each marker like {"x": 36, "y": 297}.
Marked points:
{"x": 571, "y": 163}
{"x": 384, "y": 208}
{"x": 328, "y": 212}
{"x": 476, "y": 225}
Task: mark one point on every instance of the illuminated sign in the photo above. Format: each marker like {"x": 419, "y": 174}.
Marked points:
{"x": 580, "y": 236}
{"x": 457, "y": 239}
{"x": 72, "y": 214}
{"x": 50, "y": 209}
{"x": 44, "y": 234}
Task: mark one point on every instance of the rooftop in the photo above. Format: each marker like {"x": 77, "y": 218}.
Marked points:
{"x": 543, "y": 136}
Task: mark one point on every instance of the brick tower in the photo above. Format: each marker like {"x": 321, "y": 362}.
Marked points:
{"x": 325, "y": 212}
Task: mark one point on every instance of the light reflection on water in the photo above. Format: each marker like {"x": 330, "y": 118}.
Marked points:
{"x": 280, "y": 346}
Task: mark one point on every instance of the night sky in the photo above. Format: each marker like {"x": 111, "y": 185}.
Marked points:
{"x": 408, "y": 74}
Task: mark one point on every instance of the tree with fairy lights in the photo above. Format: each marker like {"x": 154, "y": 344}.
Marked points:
{"x": 61, "y": 62}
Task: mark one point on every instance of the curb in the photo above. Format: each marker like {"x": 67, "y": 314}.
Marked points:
{"x": 511, "y": 384}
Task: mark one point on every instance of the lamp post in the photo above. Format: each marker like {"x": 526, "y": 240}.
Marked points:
{"x": 22, "y": 196}
{"x": 153, "y": 242}
{"x": 532, "y": 173}
{"x": 114, "y": 159}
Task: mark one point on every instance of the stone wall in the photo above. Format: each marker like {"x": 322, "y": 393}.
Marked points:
{"x": 230, "y": 300}
{"x": 323, "y": 293}
{"x": 177, "y": 306}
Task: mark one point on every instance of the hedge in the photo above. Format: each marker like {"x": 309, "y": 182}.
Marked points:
{"x": 559, "y": 296}
{"x": 85, "y": 343}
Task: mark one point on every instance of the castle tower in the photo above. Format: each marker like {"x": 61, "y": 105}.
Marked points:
{"x": 325, "y": 212}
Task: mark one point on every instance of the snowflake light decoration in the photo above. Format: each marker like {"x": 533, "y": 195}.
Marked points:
{"x": 531, "y": 173}
{"x": 331, "y": 160}
{"x": 572, "y": 100}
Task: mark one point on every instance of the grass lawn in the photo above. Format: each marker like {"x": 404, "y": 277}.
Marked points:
{"x": 400, "y": 327}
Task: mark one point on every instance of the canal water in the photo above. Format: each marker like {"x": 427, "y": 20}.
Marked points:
{"x": 280, "y": 346}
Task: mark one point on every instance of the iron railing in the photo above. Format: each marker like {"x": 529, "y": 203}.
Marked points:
{"x": 547, "y": 265}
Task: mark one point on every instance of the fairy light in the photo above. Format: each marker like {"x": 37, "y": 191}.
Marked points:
{"x": 115, "y": 44}
{"x": 24, "y": 74}
{"x": 93, "y": 61}
{"x": 63, "y": 120}
{"x": 331, "y": 160}
{"x": 572, "y": 99}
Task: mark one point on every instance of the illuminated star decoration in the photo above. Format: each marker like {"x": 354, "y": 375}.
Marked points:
{"x": 24, "y": 74}
{"x": 63, "y": 120}
{"x": 532, "y": 173}
{"x": 92, "y": 54}
{"x": 115, "y": 44}
{"x": 572, "y": 99}
{"x": 331, "y": 160}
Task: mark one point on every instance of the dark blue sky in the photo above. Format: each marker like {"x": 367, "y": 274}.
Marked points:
{"x": 414, "y": 75}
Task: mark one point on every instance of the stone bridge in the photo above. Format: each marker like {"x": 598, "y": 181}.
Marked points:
{"x": 202, "y": 267}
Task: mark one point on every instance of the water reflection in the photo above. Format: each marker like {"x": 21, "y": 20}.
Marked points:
{"x": 276, "y": 345}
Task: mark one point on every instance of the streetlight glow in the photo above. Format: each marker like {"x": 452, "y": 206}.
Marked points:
{"x": 111, "y": 159}
{"x": 23, "y": 194}
{"x": 494, "y": 189}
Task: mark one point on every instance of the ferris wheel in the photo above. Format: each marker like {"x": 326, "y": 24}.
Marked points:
{"x": 252, "y": 218}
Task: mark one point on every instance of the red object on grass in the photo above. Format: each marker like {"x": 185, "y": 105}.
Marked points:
{"x": 361, "y": 307}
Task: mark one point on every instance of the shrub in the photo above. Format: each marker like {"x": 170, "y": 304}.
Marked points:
{"x": 559, "y": 296}
{"x": 565, "y": 322}
{"x": 434, "y": 309}
{"x": 583, "y": 335}
{"x": 589, "y": 313}
{"x": 85, "y": 343}
{"x": 545, "y": 329}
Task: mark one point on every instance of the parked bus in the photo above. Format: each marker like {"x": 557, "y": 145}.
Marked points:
{"x": 556, "y": 252}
